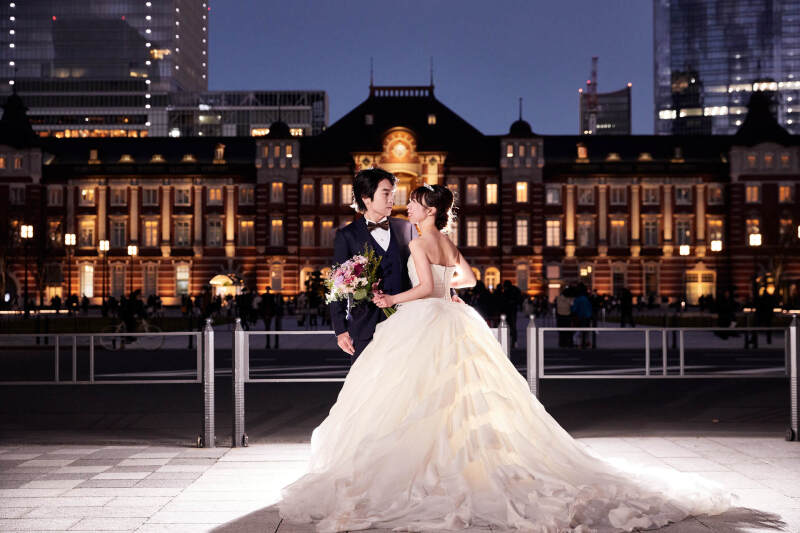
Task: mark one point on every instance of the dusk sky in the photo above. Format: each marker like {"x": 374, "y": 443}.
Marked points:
{"x": 486, "y": 53}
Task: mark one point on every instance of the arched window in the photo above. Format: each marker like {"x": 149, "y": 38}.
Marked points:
{"x": 305, "y": 275}
{"x": 477, "y": 273}
{"x": 492, "y": 278}
{"x": 522, "y": 277}
{"x": 276, "y": 277}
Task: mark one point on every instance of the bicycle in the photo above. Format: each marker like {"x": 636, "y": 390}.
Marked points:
{"x": 148, "y": 342}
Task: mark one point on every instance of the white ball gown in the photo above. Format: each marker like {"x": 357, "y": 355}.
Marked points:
{"x": 434, "y": 429}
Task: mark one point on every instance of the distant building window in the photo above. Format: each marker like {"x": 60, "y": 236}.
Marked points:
{"x": 683, "y": 231}
{"x": 369, "y": 119}
{"x": 150, "y": 232}
{"x": 431, "y": 119}
{"x": 650, "y": 196}
{"x": 619, "y": 195}
{"x": 472, "y": 232}
{"x": 86, "y": 233}
{"x": 182, "y": 197}
{"x": 55, "y": 196}
{"x": 277, "y": 151}
{"x": 752, "y": 227}
{"x": 785, "y": 194}
{"x": 509, "y": 150}
{"x": 276, "y": 232}
{"x": 214, "y": 232}
{"x": 326, "y": 234}
{"x": 650, "y": 233}
{"x": 715, "y": 195}
{"x": 55, "y": 233}
{"x": 522, "y": 232}
{"x": 715, "y": 230}
{"x": 553, "y": 195}
{"x": 118, "y": 234}
{"x": 472, "y": 193}
{"x": 522, "y": 192}
{"x": 307, "y": 195}
{"x": 452, "y": 184}
{"x": 683, "y": 195}
{"x": 553, "y": 232}
{"x": 769, "y": 159}
{"x": 276, "y": 192}
{"x": 150, "y": 196}
{"x": 327, "y": 193}
{"x": 347, "y": 193}
{"x": 307, "y": 233}
{"x": 751, "y": 161}
{"x": 2, "y": 162}
{"x": 785, "y": 227}
{"x": 521, "y": 150}
{"x": 784, "y": 160}
{"x": 182, "y": 232}
{"x": 585, "y": 232}
{"x": 87, "y": 196}
{"x": 619, "y": 233}
{"x": 752, "y": 194}
{"x": 86, "y": 280}
{"x": 119, "y": 196}
{"x": 491, "y": 233}
{"x": 17, "y": 163}
{"x": 452, "y": 234}
{"x": 247, "y": 195}
{"x": 533, "y": 150}
{"x": 585, "y": 195}
{"x": 491, "y": 193}
{"x": 182, "y": 280}
{"x": 16, "y": 195}
{"x": 215, "y": 196}
{"x": 288, "y": 151}
{"x": 247, "y": 234}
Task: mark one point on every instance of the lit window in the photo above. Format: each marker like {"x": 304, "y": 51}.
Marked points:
{"x": 452, "y": 184}
{"x": 150, "y": 233}
{"x": 533, "y": 150}
{"x": 715, "y": 195}
{"x": 327, "y": 193}
{"x": 86, "y": 280}
{"x": 785, "y": 195}
{"x": 86, "y": 233}
{"x": 182, "y": 232}
{"x": 619, "y": 195}
{"x": 715, "y": 230}
{"x": 522, "y": 232}
{"x": 553, "y": 195}
{"x": 509, "y": 150}
{"x": 431, "y": 119}
{"x": 522, "y": 192}
{"x": 492, "y": 278}
{"x": 214, "y": 232}
{"x": 751, "y": 160}
{"x": 276, "y": 192}
{"x": 119, "y": 196}
{"x": 55, "y": 233}
{"x": 307, "y": 233}
{"x": 247, "y": 235}
{"x": 289, "y": 151}
{"x": 768, "y": 160}
{"x": 784, "y": 160}
{"x": 215, "y": 196}
{"x": 472, "y": 193}
{"x": 553, "y": 232}
{"x": 277, "y": 151}
{"x": 87, "y": 196}
{"x": 247, "y": 195}
{"x": 347, "y": 193}
{"x": 683, "y": 231}
{"x": 182, "y": 280}
{"x": 326, "y": 234}
{"x": 683, "y": 195}
{"x": 182, "y": 197}
{"x": 585, "y": 232}
{"x": 521, "y": 150}
{"x": 17, "y": 163}
{"x": 585, "y": 195}
{"x": 2, "y": 162}
{"x": 619, "y": 233}
{"x": 276, "y": 232}
{"x": 472, "y": 232}
{"x": 752, "y": 194}
{"x": 785, "y": 227}
{"x": 491, "y": 193}
{"x": 307, "y": 197}
{"x": 650, "y": 196}
{"x": 491, "y": 233}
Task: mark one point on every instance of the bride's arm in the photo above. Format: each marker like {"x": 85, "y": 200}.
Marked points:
{"x": 464, "y": 277}
{"x": 425, "y": 287}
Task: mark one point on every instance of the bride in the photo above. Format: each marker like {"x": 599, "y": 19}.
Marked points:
{"x": 435, "y": 429}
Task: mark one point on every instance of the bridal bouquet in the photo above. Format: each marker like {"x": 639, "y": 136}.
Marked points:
{"x": 355, "y": 280}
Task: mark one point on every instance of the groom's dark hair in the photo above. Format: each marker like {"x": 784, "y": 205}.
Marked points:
{"x": 366, "y": 182}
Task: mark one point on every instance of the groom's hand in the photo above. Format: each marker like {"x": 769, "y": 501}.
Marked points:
{"x": 456, "y": 299}
{"x": 346, "y": 343}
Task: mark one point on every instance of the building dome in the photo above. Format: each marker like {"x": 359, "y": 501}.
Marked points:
{"x": 279, "y": 129}
{"x": 520, "y": 128}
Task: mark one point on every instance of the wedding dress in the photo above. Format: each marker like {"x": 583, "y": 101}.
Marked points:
{"x": 435, "y": 429}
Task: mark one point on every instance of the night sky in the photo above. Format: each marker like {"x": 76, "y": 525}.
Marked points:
{"x": 486, "y": 53}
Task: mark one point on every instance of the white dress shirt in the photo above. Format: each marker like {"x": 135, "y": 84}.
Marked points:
{"x": 381, "y": 236}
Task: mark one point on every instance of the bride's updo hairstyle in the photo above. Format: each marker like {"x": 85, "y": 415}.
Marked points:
{"x": 442, "y": 199}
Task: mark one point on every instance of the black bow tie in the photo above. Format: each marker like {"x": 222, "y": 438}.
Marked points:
{"x": 384, "y": 224}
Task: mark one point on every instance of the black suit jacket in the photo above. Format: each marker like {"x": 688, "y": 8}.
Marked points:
{"x": 349, "y": 241}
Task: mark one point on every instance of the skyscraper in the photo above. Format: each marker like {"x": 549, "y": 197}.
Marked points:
{"x": 710, "y": 55}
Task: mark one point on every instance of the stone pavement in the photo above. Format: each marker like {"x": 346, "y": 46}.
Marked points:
{"x": 151, "y": 488}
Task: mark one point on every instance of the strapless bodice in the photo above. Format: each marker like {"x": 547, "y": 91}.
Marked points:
{"x": 442, "y": 275}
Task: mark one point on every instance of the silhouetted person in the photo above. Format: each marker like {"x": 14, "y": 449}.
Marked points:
{"x": 626, "y": 308}
{"x": 581, "y": 310}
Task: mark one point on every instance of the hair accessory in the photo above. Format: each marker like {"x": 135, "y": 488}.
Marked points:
{"x": 427, "y": 186}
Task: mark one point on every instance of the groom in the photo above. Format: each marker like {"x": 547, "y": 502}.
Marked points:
{"x": 373, "y": 192}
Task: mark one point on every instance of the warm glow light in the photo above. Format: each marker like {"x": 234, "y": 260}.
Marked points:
{"x": 27, "y": 231}
{"x": 684, "y": 249}
{"x": 104, "y": 245}
{"x": 716, "y": 246}
{"x": 755, "y": 239}
{"x": 133, "y": 249}
{"x": 69, "y": 239}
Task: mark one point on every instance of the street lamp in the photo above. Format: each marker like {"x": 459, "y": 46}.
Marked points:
{"x": 683, "y": 251}
{"x": 69, "y": 242}
{"x": 755, "y": 239}
{"x": 104, "y": 246}
{"x": 716, "y": 245}
{"x": 27, "y": 235}
{"x": 133, "y": 250}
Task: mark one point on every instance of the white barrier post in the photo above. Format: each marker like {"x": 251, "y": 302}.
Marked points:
{"x": 237, "y": 366}
{"x": 503, "y": 334}
{"x": 208, "y": 439}
{"x": 533, "y": 361}
{"x": 794, "y": 380}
